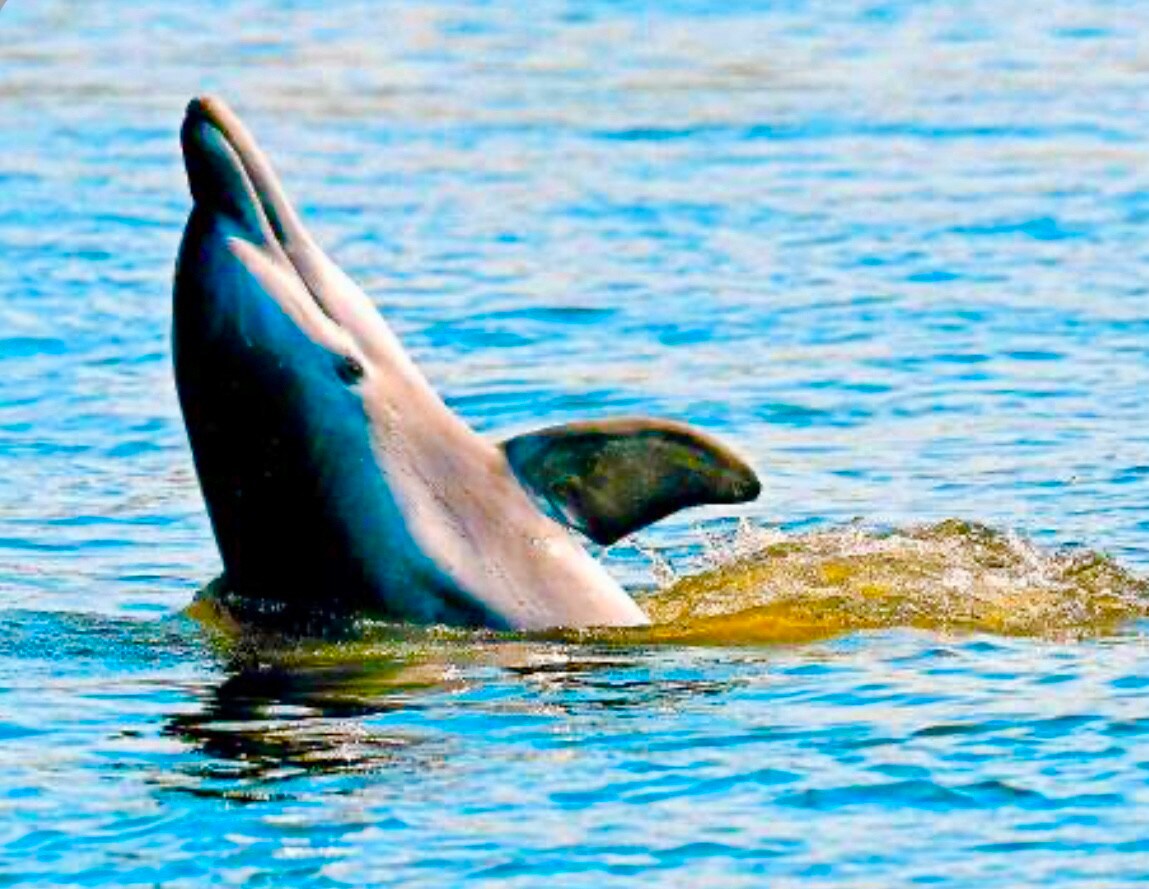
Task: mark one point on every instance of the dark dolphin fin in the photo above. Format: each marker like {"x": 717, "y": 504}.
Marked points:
{"x": 608, "y": 478}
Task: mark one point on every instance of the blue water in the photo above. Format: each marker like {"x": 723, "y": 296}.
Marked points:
{"x": 895, "y": 252}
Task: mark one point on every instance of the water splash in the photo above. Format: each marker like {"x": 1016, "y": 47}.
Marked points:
{"x": 764, "y": 585}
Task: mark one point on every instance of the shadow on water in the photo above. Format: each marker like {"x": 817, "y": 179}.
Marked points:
{"x": 261, "y": 727}
{"x": 290, "y": 709}
{"x": 400, "y": 700}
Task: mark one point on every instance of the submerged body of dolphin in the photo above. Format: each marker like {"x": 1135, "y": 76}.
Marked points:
{"x": 338, "y": 482}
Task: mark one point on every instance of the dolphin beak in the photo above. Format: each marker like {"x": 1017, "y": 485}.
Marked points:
{"x": 217, "y": 174}
{"x": 228, "y": 173}
{"x": 231, "y": 178}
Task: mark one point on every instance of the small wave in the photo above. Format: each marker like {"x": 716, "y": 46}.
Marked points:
{"x": 769, "y": 586}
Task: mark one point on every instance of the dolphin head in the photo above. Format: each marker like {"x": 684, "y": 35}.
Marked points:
{"x": 244, "y": 231}
{"x": 281, "y": 365}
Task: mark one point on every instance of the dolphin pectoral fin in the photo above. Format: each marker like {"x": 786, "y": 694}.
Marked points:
{"x": 609, "y": 478}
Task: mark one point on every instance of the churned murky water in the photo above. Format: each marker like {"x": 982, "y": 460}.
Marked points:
{"x": 895, "y": 252}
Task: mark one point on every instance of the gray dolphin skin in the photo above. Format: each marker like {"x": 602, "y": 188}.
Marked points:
{"x": 338, "y": 482}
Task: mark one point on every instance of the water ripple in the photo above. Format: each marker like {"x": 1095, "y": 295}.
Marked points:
{"x": 893, "y": 251}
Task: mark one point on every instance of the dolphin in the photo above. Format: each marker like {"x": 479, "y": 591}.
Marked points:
{"x": 337, "y": 481}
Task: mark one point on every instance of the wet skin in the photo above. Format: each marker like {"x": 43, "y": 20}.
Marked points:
{"x": 339, "y": 483}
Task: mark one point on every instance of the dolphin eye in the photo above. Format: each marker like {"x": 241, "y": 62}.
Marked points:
{"x": 349, "y": 369}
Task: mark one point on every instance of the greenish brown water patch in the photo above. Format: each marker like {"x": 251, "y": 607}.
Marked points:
{"x": 950, "y": 576}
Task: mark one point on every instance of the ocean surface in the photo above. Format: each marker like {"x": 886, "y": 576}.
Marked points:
{"x": 895, "y": 252}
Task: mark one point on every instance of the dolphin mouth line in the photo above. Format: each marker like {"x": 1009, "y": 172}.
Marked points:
{"x": 262, "y": 191}
{"x": 254, "y": 168}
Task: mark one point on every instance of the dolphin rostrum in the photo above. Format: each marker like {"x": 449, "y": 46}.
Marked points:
{"x": 339, "y": 483}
